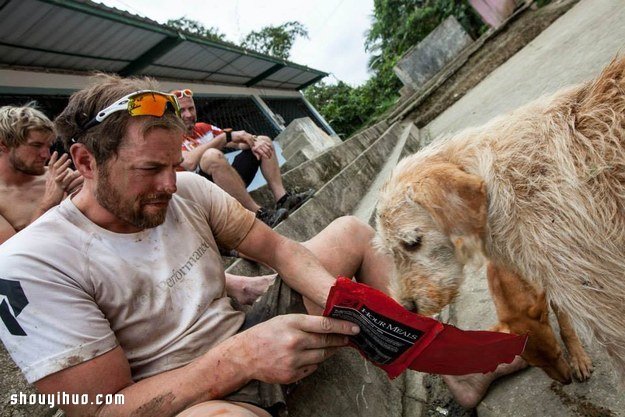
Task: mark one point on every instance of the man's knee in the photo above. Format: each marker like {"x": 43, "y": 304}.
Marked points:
{"x": 347, "y": 229}
{"x": 223, "y": 408}
{"x": 353, "y": 227}
{"x": 212, "y": 159}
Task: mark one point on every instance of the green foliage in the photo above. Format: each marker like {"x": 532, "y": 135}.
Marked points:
{"x": 276, "y": 41}
{"x": 396, "y": 26}
{"x": 271, "y": 40}
{"x": 194, "y": 27}
{"x": 342, "y": 106}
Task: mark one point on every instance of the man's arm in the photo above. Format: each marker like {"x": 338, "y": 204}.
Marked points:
{"x": 281, "y": 350}
{"x": 240, "y": 140}
{"x": 6, "y": 230}
{"x": 192, "y": 158}
{"x": 163, "y": 395}
{"x": 299, "y": 268}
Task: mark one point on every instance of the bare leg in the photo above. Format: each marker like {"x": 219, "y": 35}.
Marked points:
{"x": 468, "y": 390}
{"x": 222, "y": 408}
{"x": 344, "y": 248}
{"x": 271, "y": 171}
{"x": 215, "y": 164}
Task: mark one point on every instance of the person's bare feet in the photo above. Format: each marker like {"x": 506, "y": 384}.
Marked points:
{"x": 247, "y": 289}
{"x": 468, "y": 390}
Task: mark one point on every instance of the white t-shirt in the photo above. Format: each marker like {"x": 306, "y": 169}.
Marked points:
{"x": 159, "y": 294}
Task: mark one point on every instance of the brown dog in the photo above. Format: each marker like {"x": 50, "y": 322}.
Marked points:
{"x": 539, "y": 192}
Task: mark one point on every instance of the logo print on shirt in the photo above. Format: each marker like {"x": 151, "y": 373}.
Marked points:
{"x": 13, "y": 292}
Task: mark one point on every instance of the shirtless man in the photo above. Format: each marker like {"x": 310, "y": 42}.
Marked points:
{"x": 27, "y": 188}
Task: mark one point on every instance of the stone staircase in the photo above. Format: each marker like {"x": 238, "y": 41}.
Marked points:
{"x": 318, "y": 171}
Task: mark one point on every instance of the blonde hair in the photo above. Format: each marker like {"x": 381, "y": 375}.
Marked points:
{"x": 105, "y": 139}
{"x": 16, "y": 122}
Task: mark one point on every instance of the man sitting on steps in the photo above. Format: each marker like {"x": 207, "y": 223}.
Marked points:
{"x": 203, "y": 154}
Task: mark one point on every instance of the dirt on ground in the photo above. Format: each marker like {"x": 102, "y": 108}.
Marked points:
{"x": 498, "y": 46}
{"x": 440, "y": 402}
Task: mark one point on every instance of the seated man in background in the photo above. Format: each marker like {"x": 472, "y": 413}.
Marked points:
{"x": 202, "y": 151}
{"x": 27, "y": 188}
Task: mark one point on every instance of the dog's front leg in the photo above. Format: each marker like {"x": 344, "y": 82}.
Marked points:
{"x": 580, "y": 361}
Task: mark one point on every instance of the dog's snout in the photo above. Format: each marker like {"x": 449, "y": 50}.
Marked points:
{"x": 411, "y": 305}
{"x": 563, "y": 375}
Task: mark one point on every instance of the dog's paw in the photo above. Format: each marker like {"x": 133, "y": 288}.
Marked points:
{"x": 581, "y": 365}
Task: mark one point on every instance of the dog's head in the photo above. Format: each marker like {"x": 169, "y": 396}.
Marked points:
{"x": 431, "y": 218}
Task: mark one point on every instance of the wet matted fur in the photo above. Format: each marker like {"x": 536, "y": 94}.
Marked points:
{"x": 539, "y": 192}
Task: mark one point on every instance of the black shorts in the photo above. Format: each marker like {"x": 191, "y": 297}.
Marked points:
{"x": 244, "y": 163}
{"x": 279, "y": 299}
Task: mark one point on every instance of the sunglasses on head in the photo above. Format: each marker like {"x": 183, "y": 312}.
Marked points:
{"x": 139, "y": 103}
{"x": 183, "y": 93}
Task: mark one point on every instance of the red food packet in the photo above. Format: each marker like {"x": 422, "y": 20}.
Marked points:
{"x": 394, "y": 338}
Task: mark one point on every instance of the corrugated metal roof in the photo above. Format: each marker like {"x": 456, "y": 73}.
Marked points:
{"x": 83, "y": 36}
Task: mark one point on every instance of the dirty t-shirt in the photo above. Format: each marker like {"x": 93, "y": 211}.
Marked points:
{"x": 74, "y": 291}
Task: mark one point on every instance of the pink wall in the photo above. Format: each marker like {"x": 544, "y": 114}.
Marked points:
{"x": 494, "y": 12}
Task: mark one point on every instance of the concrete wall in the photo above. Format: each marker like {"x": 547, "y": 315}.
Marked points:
{"x": 304, "y": 136}
{"x": 429, "y": 56}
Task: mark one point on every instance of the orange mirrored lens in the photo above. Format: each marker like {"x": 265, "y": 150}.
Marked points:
{"x": 151, "y": 104}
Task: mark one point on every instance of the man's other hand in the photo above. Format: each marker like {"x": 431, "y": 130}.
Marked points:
{"x": 58, "y": 178}
{"x": 262, "y": 147}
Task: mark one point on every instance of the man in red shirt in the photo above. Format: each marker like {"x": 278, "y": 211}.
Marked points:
{"x": 202, "y": 151}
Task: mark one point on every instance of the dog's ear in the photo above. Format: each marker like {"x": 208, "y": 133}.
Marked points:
{"x": 457, "y": 202}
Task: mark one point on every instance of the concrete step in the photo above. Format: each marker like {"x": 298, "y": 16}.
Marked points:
{"x": 409, "y": 136}
{"x": 338, "y": 197}
{"x": 318, "y": 171}
{"x": 477, "y": 61}
{"x": 365, "y": 137}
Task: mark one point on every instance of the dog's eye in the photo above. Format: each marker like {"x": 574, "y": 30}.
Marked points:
{"x": 412, "y": 245}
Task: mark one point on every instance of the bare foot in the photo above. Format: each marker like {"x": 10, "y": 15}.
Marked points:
{"x": 247, "y": 289}
{"x": 468, "y": 390}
